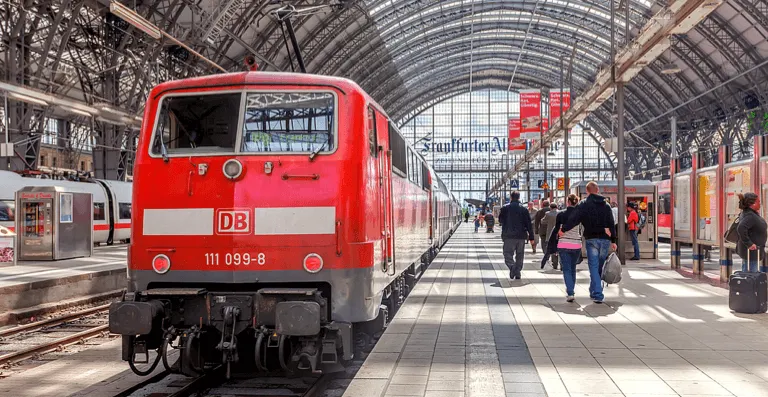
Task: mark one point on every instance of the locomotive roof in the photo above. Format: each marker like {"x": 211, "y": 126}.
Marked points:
{"x": 264, "y": 78}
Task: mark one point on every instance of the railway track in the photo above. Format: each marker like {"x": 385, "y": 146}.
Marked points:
{"x": 214, "y": 384}
{"x": 52, "y": 334}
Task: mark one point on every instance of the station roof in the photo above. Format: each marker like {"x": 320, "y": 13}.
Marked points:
{"x": 411, "y": 54}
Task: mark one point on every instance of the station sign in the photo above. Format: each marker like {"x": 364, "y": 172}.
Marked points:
{"x": 543, "y": 184}
{"x": 561, "y": 184}
{"x": 514, "y": 184}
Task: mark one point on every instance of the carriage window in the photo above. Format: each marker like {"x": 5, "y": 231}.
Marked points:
{"x": 399, "y": 153}
{"x": 7, "y": 210}
{"x": 197, "y": 124}
{"x": 292, "y": 122}
{"x": 372, "y": 138}
{"x": 98, "y": 212}
{"x": 664, "y": 203}
{"x": 125, "y": 210}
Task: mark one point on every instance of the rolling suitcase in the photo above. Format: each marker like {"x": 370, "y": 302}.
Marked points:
{"x": 748, "y": 291}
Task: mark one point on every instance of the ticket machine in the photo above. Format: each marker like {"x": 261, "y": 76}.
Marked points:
{"x": 53, "y": 223}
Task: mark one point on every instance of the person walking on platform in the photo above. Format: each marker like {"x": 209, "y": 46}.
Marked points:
{"x": 515, "y": 229}
{"x": 466, "y": 215}
{"x": 594, "y": 214}
{"x": 537, "y": 228}
{"x": 632, "y": 220}
{"x": 568, "y": 247}
{"x": 489, "y": 222}
{"x": 752, "y": 232}
{"x": 477, "y": 223}
{"x": 532, "y": 212}
{"x": 548, "y": 224}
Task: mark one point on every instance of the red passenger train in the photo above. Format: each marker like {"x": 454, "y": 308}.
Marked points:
{"x": 274, "y": 216}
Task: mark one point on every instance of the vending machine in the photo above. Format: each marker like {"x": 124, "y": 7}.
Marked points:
{"x": 53, "y": 223}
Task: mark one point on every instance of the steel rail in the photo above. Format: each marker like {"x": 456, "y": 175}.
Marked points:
{"x": 52, "y": 345}
{"x": 52, "y": 321}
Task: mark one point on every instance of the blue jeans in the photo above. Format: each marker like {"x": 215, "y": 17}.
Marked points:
{"x": 635, "y": 244}
{"x": 568, "y": 259}
{"x": 752, "y": 265}
{"x": 597, "y": 253}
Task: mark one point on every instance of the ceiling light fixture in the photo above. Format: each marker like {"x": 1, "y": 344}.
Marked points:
{"x": 136, "y": 20}
{"x": 670, "y": 68}
{"x": 28, "y": 99}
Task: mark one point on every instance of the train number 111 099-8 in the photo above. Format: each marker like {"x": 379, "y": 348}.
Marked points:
{"x": 236, "y": 259}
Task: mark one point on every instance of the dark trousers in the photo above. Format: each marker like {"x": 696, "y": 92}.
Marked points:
{"x": 514, "y": 253}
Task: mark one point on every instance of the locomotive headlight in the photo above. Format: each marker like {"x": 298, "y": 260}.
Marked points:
{"x": 161, "y": 264}
{"x": 232, "y": 169}
{"x": 313, "y": 263}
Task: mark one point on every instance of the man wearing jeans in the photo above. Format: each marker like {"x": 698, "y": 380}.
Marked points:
{"x": 599, "y": 232}
{"x": 515, "y": 229}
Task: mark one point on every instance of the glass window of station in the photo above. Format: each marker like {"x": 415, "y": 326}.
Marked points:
{"x": 465, "y": 139}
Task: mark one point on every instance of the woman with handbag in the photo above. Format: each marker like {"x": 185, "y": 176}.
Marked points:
{"x": 752, "y": 230}
{"x": 567, "y": 246}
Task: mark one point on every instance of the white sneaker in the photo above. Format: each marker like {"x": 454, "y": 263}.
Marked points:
{"x": 569, "y": 298}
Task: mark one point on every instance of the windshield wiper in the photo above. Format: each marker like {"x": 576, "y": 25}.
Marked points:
{"x": 317, "y": 151}
{"x": 163, "y": 150}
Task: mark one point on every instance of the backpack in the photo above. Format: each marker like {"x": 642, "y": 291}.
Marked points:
{"x": 642, "y": 221}
{"x": 732, "y": 235}
{"x": 611, "y": 273}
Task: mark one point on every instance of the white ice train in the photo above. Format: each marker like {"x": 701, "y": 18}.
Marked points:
{"x": 111, "y": 203}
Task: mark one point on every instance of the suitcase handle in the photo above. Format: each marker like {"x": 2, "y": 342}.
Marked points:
{"x": 757, "y": 249}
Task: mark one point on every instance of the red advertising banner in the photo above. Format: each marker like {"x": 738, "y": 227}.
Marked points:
{"x": 530, "y": 114}
{"x": 554, "y": 104}
{"x": 515, "y": 143}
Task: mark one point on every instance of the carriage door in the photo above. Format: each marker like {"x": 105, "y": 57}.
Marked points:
{"x": 379, "y": 138}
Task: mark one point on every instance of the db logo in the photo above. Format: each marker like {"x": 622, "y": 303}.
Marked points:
{"x": 233, "y": 221}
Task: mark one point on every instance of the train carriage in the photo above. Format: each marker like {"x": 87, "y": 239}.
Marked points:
{"x": 275, "y": 214}
{"x": 111, "y": 203}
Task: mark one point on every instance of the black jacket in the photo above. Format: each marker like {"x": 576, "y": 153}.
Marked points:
{"x": 515, "y": 222}
{"x": 595, "y": 215}
{"x": 553, "y": 238}
{"x": 752, "y": 230}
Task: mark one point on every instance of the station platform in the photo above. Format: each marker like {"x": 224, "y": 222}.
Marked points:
{"x": 31, "y": 287}
{"x": 467, "y": 330}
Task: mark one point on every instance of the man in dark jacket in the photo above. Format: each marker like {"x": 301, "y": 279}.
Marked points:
{"x": 515, "y": 229}
{"x": 599, "y": 232}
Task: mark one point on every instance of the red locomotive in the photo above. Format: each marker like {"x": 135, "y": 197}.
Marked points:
{"x": 274, "y": 216}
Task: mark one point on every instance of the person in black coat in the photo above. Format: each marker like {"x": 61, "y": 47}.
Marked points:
{"x": 753, "y": 232}
{"x": 515, "y": 229}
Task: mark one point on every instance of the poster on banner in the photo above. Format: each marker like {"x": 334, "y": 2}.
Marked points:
{"x": 544, "y": 126}
{"x": 530, "y": 114}
{"x": 554, "y": 104}
{"x": 516, "y": 144}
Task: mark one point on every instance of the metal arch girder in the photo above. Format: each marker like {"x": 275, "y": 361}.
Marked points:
{"x": 731, "y": 44}
{"x": 438, "y": 75}
{"x": 435, "y": 8}
{"x": 757, "y": 9}
{"x": 405, "y": 105}
{"x": 463, "y": 72}
{"x": 414, "y": 76}
{"x": 444, "y": 19}
{"x": 450, "y": 45}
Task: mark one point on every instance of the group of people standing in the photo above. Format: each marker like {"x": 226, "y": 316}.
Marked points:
{"x": 561, "y": 233}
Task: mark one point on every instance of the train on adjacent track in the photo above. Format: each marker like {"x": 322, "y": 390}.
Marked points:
{"x": 111, "y": 203}
{"x": 276, "y": 217}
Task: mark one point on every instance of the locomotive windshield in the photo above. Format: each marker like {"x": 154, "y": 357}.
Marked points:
{"x": 288, "y": 122}
{"x": 197, "y": 124}
{"x": 273, "y": 122}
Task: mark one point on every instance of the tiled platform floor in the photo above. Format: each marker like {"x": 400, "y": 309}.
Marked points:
{"x": 659, "y": 333}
